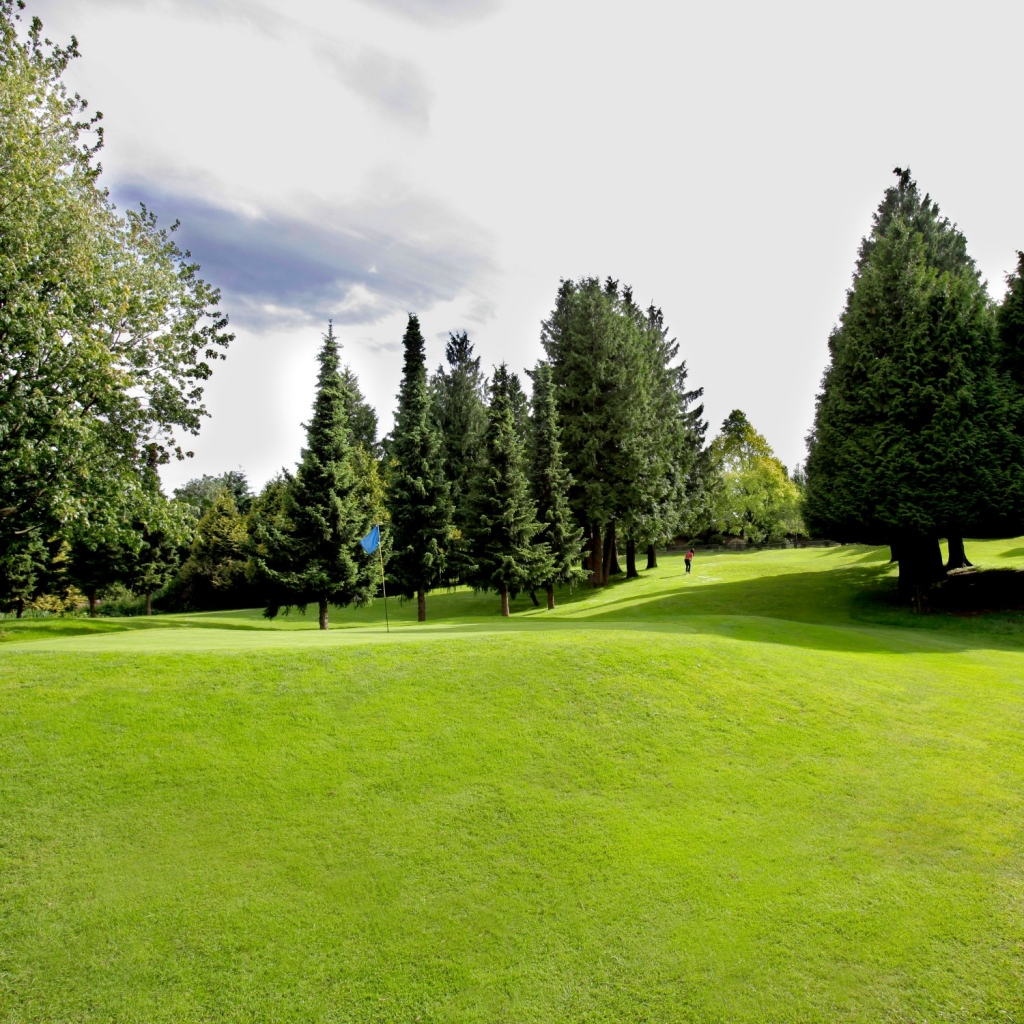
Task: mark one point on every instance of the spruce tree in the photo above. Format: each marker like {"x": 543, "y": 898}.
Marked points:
{"x": 459, "y": 414}
{"x": 503, "y": 524}
{"x": 1010, "y": 361}
{"x": 418, "y": 494}
{"x": 215, "y": 573}
{"x": 362, "y": 417}
{"x": 905, "y": 447}
{"x": 594, "y": 363}
{"x": 549, "y": 485}
{"x": 322, "y": 562}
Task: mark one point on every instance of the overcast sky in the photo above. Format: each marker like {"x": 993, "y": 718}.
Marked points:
{"x": 358, "y": 159}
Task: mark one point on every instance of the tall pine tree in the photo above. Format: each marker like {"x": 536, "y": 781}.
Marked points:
{"x": 328, "y": 512}
{"x": 905, "y": 447}
{"x": 1010, "y": 327}
{"x": 503, "y": 524}
{"x": 418, "y": 494}
{"x": 549, "y": 484}
{"x": 459, "y": 413}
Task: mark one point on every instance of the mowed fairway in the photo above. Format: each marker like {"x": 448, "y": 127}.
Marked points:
{"x": 757, "y": 794}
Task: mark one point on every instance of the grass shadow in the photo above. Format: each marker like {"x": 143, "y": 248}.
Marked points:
{"x": 849, "y": 609}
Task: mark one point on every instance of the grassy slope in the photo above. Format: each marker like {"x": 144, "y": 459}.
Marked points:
{"x": 741, "y": 796}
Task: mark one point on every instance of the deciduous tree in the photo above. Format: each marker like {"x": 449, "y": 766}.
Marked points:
{"x": 107, "y": 332}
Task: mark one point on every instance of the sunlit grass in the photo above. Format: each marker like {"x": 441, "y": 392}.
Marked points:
{"x": 761, "y": 793}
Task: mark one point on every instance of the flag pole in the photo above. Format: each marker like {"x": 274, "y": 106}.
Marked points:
{"x": 383, "y": 585}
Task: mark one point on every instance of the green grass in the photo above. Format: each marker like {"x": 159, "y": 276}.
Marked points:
{"x": 763, "y": 793}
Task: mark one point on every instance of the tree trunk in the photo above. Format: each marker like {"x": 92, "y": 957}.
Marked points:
{"x": 595, "y": 555}
{"x": 631, "y": 573}
{"x": 533, "y": 598}
{"x": 894, "y": 552}
{"x": 20, "y": 610}
{"x": 957, "y": 556}
{"x": 92, "y": 605}
{"x": 421, "y": 605}
{"x": 149, "y": 602}
{"x": 652, "y": 557}
{"x": 611, "y": 562}
{"x": 504, "y": 601}
{"x": 551, "y": 597}
{"x": 614, "y": 569}
{"x": 920, "y": 567}
{"x": 323, "y": 613}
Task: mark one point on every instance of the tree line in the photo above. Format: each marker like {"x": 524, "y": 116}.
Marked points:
{"x": 506, "y": 484}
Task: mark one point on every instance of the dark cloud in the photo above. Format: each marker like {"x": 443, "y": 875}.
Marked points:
{"x": 438, "y": 12}
{"x": 393, "y": 85}
{"x": 356, "y": 263}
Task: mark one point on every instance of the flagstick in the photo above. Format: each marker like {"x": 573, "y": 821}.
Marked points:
{"x": 383, "y": 585}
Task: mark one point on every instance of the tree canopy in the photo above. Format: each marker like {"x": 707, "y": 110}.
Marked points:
{"x": 906, "y": 441}
{"x": 418, "y": 493}
{"x": 107, "y": 332}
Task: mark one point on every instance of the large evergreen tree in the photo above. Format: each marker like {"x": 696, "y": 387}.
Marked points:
{"x": 418, "y": 495}
{"x": 549, "y": 484}
{"x": 322, "y": 562}
{"x": 362, "y": 417}
{"x": 503, "y": 523}
{"x": 594, "y": 363}
{"x": 906, "y": 443}
{"x": 631, "y": 431}
{"x": 459, "y": 413}
{"x": 1010, "y": 361}
{"x": 655, "y": 500}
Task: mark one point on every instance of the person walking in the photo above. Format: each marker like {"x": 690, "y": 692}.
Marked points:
{"x": 689, "y": 559}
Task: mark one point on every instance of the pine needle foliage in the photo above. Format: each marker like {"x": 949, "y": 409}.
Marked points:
{"x": 905, "y": 447}
{"x": 459, "y": 413}
{"x": 549, "y": 485}
{"x": 327, "y": 511}
{"x": 504, "y": 527}
{"x": 418, "y": 494}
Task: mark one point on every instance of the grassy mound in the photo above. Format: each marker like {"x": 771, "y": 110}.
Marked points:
{"x": 763, "y": 793}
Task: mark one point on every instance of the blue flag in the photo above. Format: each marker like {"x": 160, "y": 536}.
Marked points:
{"x": 371, "y": 541}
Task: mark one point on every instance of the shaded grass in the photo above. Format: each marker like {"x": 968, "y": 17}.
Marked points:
{"x": 687, "y": 800}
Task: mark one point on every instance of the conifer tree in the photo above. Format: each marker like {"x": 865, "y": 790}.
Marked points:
{"x": 328, "y": 513}
{"x": 214, "y": 574}
{"x": 1010, "y": 361}
{"x": 549, "y": 485}
{"x": 593, "y": 357}
{"x": 164, "y": 528}
{"x": 418, "y": 494}
{"x": 905, "y": 447}
{"x": 362, "y": 417}
{"x": 459, "y": 414}
{"x": 503, "y": 524}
